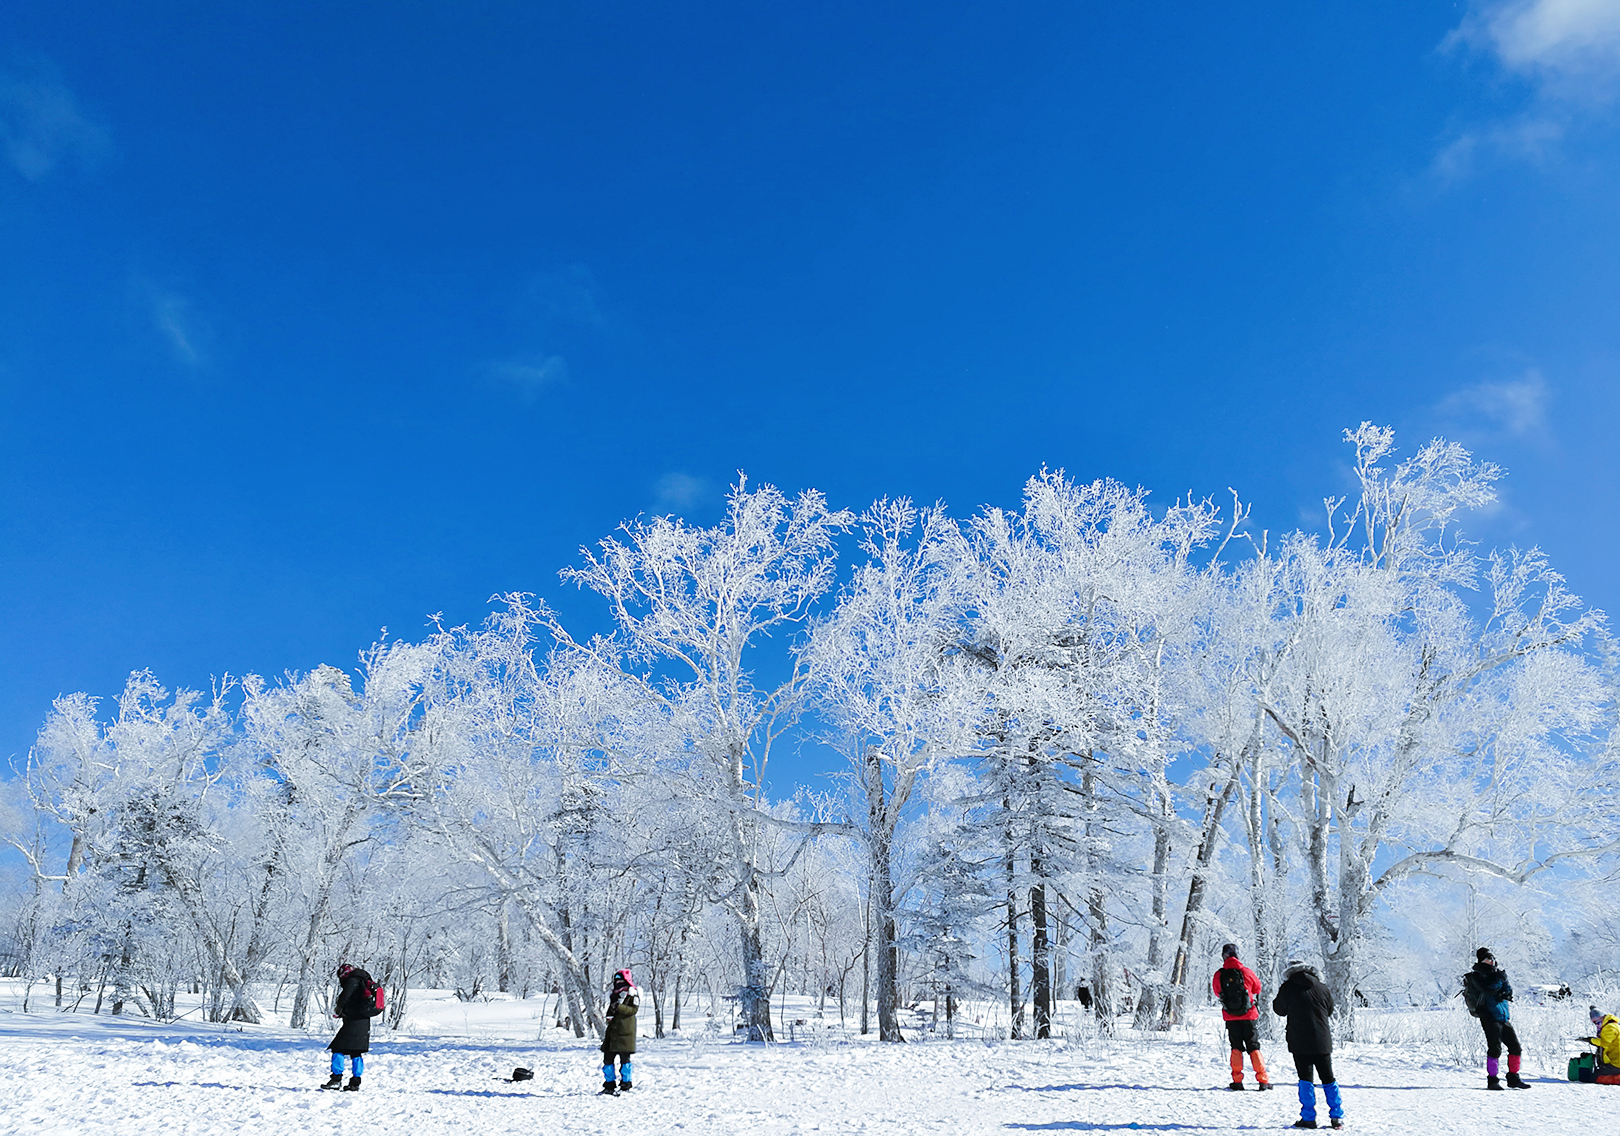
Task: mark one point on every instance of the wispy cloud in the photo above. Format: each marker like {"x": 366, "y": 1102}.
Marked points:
{"x": 529, "y": 375}
{"x": 1567, "y": 51}
{"x": 180, "y": 325}
{"x": 682, "y": 491}
{"x": 1532, "y": 137}
{"x": 570, "y": 295}
{"x": 41, "y": 125}
{"x": 1570, "y": 47}
{"x": 184, "y": 330}
{"x": 563, "y": 308}
{"x": 1513, "y": 408}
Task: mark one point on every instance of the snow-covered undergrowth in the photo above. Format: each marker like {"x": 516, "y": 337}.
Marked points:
{"x": 1547, "y": 1033}
{"x": 99, "y": 1075}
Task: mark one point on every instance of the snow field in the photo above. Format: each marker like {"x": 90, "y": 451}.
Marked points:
{"x": 99, "y": 1076}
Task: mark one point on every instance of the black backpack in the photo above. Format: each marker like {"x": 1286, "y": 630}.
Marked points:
{"x": 1235, "y": 998}
{"x": 1470, "y": 992}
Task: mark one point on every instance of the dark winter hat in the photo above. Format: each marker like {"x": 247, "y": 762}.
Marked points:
{"x": 344, "y": 970}
{"x": 622, "y": 978}
{"x": 1484, "y": 953}
{"x": 1229, "y": 951}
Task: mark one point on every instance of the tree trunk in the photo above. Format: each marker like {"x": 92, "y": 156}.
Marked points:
{"x": 1015, "y": 994}
{"x": 866, "y": 971}
{"x": 1151, "y": 1005}
{"x": 1040, "y": 957}
{"x": 756, "y": 991}
{"x": 504, "y": 964}
{"x": 1102, "y": 985}
{"x": 882, "y": 890}
{"x": 675, "y": 1010}
{"x": 1259, "y": 825}
{"x": 1213, "y": 808}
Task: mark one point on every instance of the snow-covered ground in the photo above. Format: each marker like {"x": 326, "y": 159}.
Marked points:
{"x": 79, "y": 1073}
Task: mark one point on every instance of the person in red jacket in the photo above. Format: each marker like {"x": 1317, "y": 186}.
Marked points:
{"x": 1238, "y": 989}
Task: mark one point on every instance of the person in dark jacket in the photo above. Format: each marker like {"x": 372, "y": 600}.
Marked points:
{"x": 1240, "y": 1026}
{"x": 356, "y": 1006}
{"x": 1487, "y": 991}
{"x": 1307, "y": 1004}
{"x": 619, "y": 1040}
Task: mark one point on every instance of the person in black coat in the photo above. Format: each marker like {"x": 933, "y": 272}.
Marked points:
{"x": 356, "y": 1005}
{"x": 1488, "y": 993}
{"x": 1307, "y": 1004}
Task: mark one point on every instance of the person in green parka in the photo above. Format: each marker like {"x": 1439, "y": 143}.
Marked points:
{"x": 620, "y": 1039}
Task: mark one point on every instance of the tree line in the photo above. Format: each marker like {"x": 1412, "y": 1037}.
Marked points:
{"x": 1075, "y": 740}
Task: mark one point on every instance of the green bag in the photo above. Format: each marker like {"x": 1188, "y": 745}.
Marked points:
{"x": 1583, "y": 1068}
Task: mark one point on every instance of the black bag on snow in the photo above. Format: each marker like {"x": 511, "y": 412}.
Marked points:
{"x": 1235, "y": 998}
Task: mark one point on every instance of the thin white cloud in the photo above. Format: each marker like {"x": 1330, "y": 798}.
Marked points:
{"x": 184, "y": 330}
{"x": 1516, "y": 408}
{"x": 570, "y": 295}
{"x": 1532, "y": 137}
{"x": 1566, "y": 51}
{"x": 41, "y": 126}
{"x": 180, "y": 326}
{"x": 530, "y": 374}
{"x": 681, "y": 490}
{"x": 1572, "y": 44}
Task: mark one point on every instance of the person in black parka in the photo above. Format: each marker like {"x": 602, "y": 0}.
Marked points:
{"x": 619, "y": 1040}
{"x": 1488, "y": 992}
{"x": 1307, "y": 1004}
{"x": 356, "y": 1005}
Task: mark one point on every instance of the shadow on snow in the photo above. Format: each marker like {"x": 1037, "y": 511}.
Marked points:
{"x": 1093, "y": 1126}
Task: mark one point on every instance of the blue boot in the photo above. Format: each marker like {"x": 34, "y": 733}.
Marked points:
{"x": 1307, "y": 1105}
{"x": 1335, "y": 1103}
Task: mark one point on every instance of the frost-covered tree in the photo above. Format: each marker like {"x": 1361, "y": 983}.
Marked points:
{"x": 697, "y": 604}
{"x": 887, "y": 679}
{"x": 1430, "y": 733}
{"x": 138, "y": 796}
{"x": 331, "y": 753}
{"x": 515, "y": 771}
{"x": 1083, "y": 599}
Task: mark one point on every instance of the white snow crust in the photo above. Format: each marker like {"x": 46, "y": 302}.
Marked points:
{"x": 105, "y": 1076}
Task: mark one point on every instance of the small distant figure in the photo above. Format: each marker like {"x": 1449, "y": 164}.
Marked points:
{"x": 1607, "y": 1042}
{"x": 1562, "y": 994}
{"x": 1307, "y": 1004}
{"x": 1238, "y": 988}
{"x": 359, "y": 1000}
{"x": 619, "y": 1040}
{"x": 1486, "y": 993}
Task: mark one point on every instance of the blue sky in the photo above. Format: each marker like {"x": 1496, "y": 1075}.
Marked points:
{"x": 318, "y": 318}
